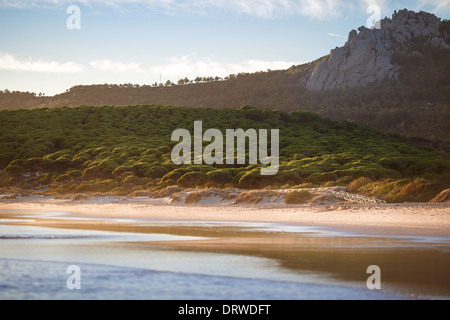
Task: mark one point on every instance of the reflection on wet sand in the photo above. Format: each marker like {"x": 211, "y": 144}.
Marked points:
{"x": 423, "y": 268}
{"x": 407, "y": 265}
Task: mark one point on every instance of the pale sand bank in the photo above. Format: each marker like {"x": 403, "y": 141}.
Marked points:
{"x": 409, "y": 219}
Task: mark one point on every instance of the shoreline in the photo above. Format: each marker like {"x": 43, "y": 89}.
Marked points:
{"x": 402, "y": 220}
{"x": 296, "y": 244}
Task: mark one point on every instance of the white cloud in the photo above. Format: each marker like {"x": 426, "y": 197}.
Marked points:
{"x": 272, "y": 8}
{"x": 11, "y": 62}
{"x": 261, "y": 65}
{"x": 319, "y": 9}
{"x": 189, "y": 66}
{"x": 185, "y": 66}
{"x": 434, "y": 5}
{"x": 114, "y": 66}
{"x": 380, "y": 3}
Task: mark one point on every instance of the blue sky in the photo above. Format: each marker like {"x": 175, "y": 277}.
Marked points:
{"x": 143, "y": 41}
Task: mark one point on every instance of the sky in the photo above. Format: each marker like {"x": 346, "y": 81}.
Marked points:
{"x": 48, "y": 46}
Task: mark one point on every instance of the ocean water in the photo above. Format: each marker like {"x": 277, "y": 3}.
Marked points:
{"x": 31, "y": 279}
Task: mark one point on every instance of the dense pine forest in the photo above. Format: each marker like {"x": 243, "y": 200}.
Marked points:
{"x": 124, "y": 150}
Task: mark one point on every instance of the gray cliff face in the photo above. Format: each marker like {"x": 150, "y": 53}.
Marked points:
{"x": 366, "y": 57}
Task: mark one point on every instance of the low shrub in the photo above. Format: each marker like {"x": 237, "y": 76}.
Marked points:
{"x": 62, "y": 178}
{"x": 96, "y": 186}
{"x": 132, "y": 181}
{"x": 192, "y": 179}
{"x": 75, "y": 174}
{"x": 298, "y": 197}
{"x": 357, "y": 184}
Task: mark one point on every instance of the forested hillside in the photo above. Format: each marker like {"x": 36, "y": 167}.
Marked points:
{"x": 121, "y": 150}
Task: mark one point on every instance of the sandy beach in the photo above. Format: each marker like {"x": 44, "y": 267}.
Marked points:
{"x": 404, "y": 219}
{"x": 318, "y": 252}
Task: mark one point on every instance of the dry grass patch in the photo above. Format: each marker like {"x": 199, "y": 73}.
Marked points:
{"x": 298, "y": 197}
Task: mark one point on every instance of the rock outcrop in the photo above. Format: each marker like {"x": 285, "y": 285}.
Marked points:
{"x": 366, "y": 57}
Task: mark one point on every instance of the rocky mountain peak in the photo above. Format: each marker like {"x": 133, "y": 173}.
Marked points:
{"x": 366, "y": 56}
